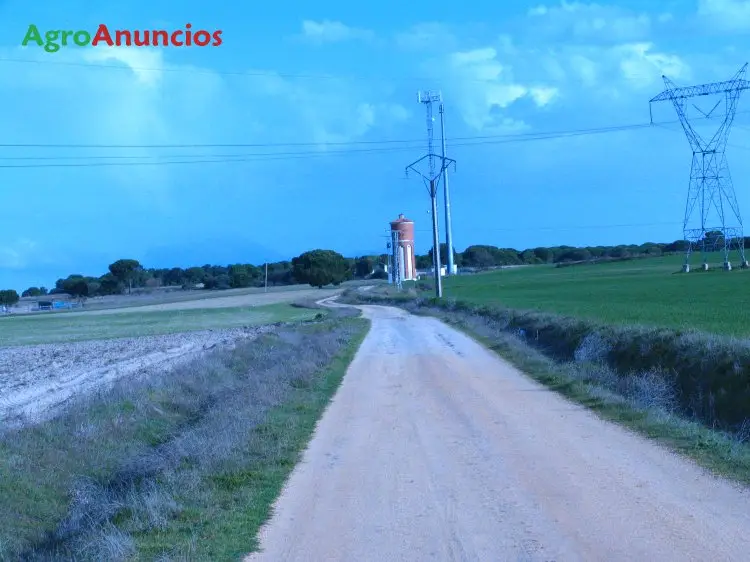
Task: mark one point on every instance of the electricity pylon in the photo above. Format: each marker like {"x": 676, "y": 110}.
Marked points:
{"x": 711, "y": 191}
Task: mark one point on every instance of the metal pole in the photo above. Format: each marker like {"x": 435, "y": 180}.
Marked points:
{"x": 435, "y": 241}
{"x": 265, "y": 290}
{"x": 446, "y": 194}
{"x": 397, "y": 264}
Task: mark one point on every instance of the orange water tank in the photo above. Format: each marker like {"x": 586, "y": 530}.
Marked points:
{"x": 406, "y": 256}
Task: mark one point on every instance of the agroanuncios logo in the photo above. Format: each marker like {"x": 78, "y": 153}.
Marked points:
{"x": 55, "y": 39}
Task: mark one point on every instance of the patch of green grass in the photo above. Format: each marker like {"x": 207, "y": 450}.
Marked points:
{"x": 225, "y": 522}
{"x": 27, "y": 330}
{"x": 642, "y": 291}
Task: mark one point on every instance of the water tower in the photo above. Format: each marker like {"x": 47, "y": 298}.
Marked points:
{"x": 402, "y": 231}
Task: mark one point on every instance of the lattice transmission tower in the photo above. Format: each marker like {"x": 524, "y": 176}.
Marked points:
{"x": 712, "y": 215}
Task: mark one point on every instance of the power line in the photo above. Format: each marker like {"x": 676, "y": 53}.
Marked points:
{"x": 227, "y": 158}
{"x": 462, "y": 142}
{"x": 270, "y": 156}
{"x": 510, "y": 137}
{"x": 249, "y": 157}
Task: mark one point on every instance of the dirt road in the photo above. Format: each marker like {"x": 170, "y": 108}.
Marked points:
{"x": 434, "y": 449}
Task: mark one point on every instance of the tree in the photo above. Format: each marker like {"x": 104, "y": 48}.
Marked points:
{"x": 220, "y": 282}
{"x": 9, "y": 297}
{"x": 529, "y": 257}
{"x": 32, "y": 292}
{"x": 280, "y": 273}
{"x": 543, "y": 254}
{"x": 109, "y": 285}
{"x": 243, "y": 275}
{"x": 76, "y": 286}
{"x": 126, "y": 271}
{"x": 174, "y": 276}
{"x": 363, "y": 267}
{"x": 424, "y": 262}
{"x": 478, "y": 256}
{"x": 576, "y": 254}
{"x": 194, "y": 275}
{"x": 319, "y": 268}
{"x": 444, "y": 255}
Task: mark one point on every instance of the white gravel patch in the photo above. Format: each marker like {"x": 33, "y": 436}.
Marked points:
{"x": 36, "y": 380}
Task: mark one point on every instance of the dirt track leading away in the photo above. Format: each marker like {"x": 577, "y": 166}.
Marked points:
{"x": 250, "y": 299}
{"x": 435, "y": 449}
{"x": 36, "y": 379}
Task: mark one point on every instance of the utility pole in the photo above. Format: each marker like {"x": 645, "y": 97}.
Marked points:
{"x": 431, "y": 180}
{"x": 396, "y": 259}
{"x": 446, "y": 195}
{"x": 389, "y": 256}
{"x": 265, "y": 290}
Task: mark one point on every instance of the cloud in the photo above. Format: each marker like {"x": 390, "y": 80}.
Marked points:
{"x": 486, "y": 89}
{"x": 589, "y": 22}
{"x": 330, "y": 111}
{"x": 328, "y": 31}
{"x": 428, "y": 35}
{"x": 146, "y": 64}
{"x": 17, "y": 255}
{"x": 643, "y": 67}
{"x": 726, "y": 15}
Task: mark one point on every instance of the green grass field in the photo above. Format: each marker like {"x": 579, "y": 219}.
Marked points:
{"x": 25, "y": 330}
{"x": 642, "y": 291}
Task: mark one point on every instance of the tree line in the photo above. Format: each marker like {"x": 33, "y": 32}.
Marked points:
{"x": 321, "y": 268}
{"x": 481, "y": 256}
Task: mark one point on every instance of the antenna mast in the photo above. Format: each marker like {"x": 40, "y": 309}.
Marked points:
{"x": 431, "y": 180}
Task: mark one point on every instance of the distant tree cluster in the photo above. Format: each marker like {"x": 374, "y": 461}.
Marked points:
{"x": 8, "y": 297}
{"x": 481, "y": 256}
{"x": 35, "y": 292}
{"x": 128, "y": 275}
{"x": 319, "y": 268}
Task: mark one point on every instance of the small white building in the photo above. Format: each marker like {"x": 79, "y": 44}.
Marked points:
{"x": 444, "y": 270}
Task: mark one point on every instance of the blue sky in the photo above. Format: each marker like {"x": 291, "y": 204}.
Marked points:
{"x": 344, "y": 72}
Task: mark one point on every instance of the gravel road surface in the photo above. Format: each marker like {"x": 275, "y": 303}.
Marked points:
{"x": 435, "y": 449}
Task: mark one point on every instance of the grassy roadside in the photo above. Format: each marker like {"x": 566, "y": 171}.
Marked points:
{"x": 646, "y": 401}
{"x": 180, "y": 466}
{"x": 226, "y": 526}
